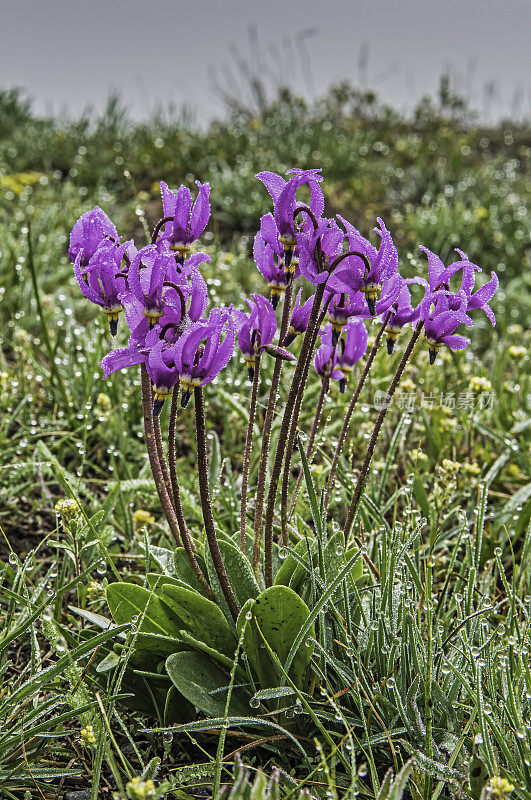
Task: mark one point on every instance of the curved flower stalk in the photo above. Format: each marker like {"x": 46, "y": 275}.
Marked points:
{"x": 383, "y": 264}
{"x": 188, "y": 222}
{"x": 101, "y": 281}
{"x": 92, "y": 229}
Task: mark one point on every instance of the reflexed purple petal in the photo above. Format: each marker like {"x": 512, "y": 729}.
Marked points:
{"x": 274, "y": 183}
{"x": 181, "y": 219}
{"x": 120, "y": 359}
{"x": 455, "y": 342}
{"x": 200, "y": 212}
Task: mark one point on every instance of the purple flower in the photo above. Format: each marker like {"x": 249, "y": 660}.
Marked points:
{"x": 283, "y": 194}
{"x": 318, "y": 247}
{"x": 351, "y": 349}
{"x": 483, "y": 296}
{"x": 204, "y": 350}
{"x": 90, "y": 230}
{"x": 384, "y": 264}
{"x": 402, "y": 314}
{"x": 102, "y": 281}
{"x": 325, "y": 362}
{"x": 262, "y": 320}
{"x": 188, "y": 222}
{"x": 300, "y": 316}
{"x": 270, "y": 266}
{"x": 341, "y": 308}
{"x": 439, "y": 275}
{"x": 440, "y": 323}
{"x": 146, "y": 275}
{"x": 162, "y": 371}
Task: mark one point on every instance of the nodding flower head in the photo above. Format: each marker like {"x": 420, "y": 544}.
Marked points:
{"x": 383, "y": 264}
{"x": 352, "y": 347}
{"x": 204, "y": 350}
{"x": 340, "y": 309}
{"x": 269, "y": 256}
{"x": 188, "y": 222}
{"x": 300, "y": 316}
{"x": 261, "y": 321}
{"x": 91, "y": 229}
{"x": 161, "y": 369}
{"x": 440, "y": 322}
{"x": 402, "y": 314}
{"x": 283, "y": 194}
{"x": 147, "y": 274}
{"x": 318, "y": 248}
{"x": 325, "y": 361}
{"x": 102, "y": 280}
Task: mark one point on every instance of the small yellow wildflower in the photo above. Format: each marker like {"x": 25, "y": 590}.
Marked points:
{"x": 482, "y": 212}
{"x": 479, "y": 384}
{"x": 471, "y": 468}
{"x": 142, "y": 518}
{"x": 418, "y": 455}
{"x": 451, "y": 466}
{"x": 517, "y": 352}
{"x": 103, "y": 403}
{"x": 67, "y": 509}
{"x": 137, "y": 789}
{"x": 499, "y": 788}
{"x": 87, "y": 736}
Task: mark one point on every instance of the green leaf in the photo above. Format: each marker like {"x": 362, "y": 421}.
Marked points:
{"x": 202, "y": 617}
{"x": 203, "y": 683}
{"x": 288, "y": 566}
{"x": 109, "y": 662}
{"x": 184, "y": 571}
{"x": 126, "y": 601}
{"x": 239, "y": 572}
{"x": 278, "y": 616}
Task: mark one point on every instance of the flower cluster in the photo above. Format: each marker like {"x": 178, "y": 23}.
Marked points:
{"x": 183, "y": 343}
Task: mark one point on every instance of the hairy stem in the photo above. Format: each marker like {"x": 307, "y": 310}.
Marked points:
{"x": 188, "y": 542}
{"x": 309, "y": 447}
{"x": 206, "y": 505}
{"x": 293, "y": 428}
{"x": 377, "y": 426}
{"x": 154, "y": 462}
{"x": 266, "y": 436}
{"x": 249, "y": 443}
{"x": 283, "y": 435}
{"x": 162, "y": 459}
{"x": 350, "y": 410}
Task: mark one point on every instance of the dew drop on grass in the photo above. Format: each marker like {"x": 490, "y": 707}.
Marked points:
{"x": 282, "y": 553}
{"x": 254, "y": 702}
{"x": 12, "y": 559}
{"x": 249, "y": 615}
{"x": 101, "y": 569}
{"x": 167, "y": 737}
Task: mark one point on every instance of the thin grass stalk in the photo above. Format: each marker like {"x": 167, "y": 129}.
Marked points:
{"x": 377, "y": 426}
{"x": 266, "y": 436}
{"x": 249, "y": 443}
{"x": 284, "y": 429}
{"x": 309, "y": 447}
{"x": 350, "y": 410}
{"x": 206, "y": 505}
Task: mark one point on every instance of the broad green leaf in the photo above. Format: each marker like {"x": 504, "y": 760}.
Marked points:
{"x": 202, "y": 617}
{"x": 239, "y": 572}
{"x": 278, "y": 615}
{"x": 288, "y": 566}
{"x": 203, "y": 684}
{"x": 127, "y": 601}
{"x": 184, "y": 571}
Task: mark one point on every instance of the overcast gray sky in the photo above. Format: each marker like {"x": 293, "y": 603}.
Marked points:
{"x": 72, "y": 53}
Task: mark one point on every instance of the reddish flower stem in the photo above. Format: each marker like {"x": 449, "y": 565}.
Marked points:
{"x": 162, "y": 459}
{"x": 377, "y": 426}
{"x": 266, "y": 436}
{"x": 206, "y": 505}
{"x": 350, "y": 410}
{"x": 249, "y": 443}
{"x": 283, "y": 435}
